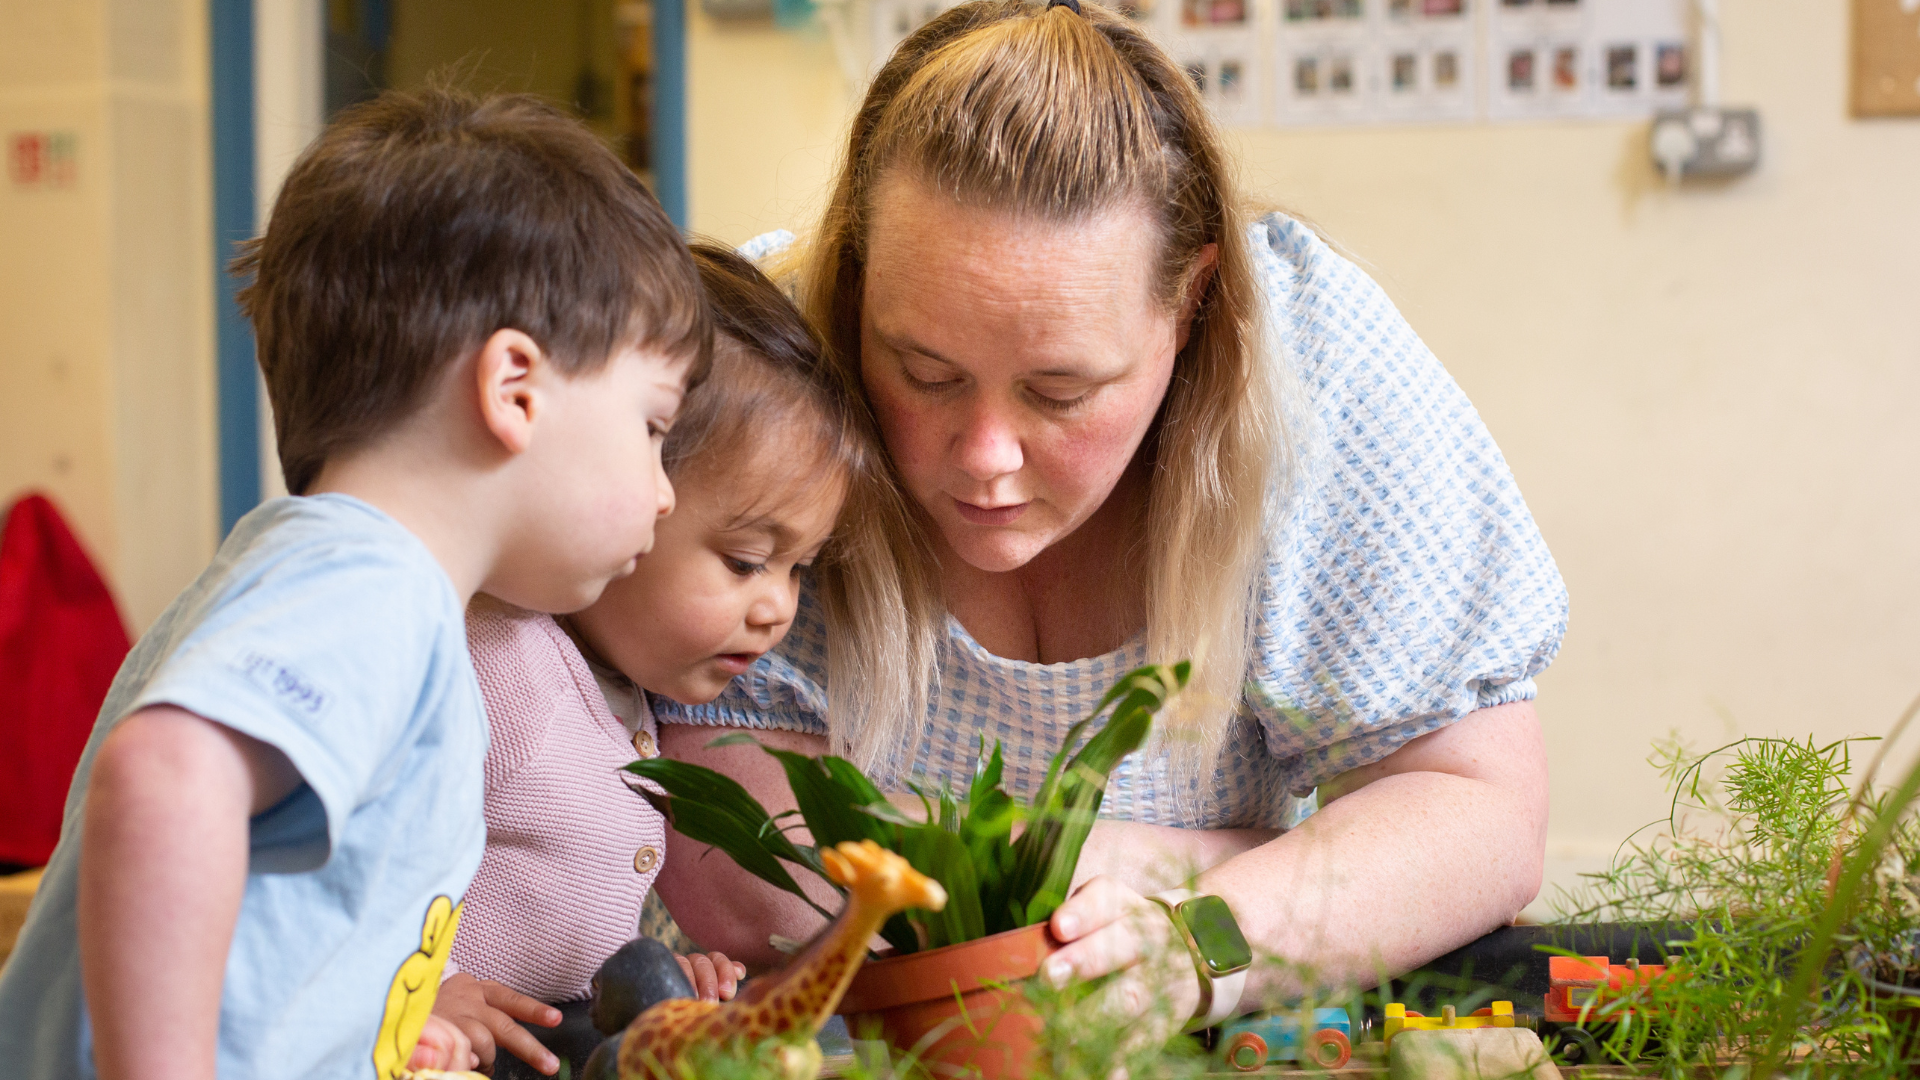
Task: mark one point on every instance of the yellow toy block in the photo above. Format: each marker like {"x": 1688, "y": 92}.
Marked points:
{"x": 1499, "y": 1015}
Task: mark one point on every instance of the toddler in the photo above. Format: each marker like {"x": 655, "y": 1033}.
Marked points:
{"x": 475, "y": 327}
{"x": 760, "y": 461}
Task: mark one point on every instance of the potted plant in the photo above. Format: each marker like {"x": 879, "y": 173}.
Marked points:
{"x": 948, "y": 990}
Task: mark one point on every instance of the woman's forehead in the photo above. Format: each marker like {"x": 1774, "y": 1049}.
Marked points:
{"x": 916, "y": 234}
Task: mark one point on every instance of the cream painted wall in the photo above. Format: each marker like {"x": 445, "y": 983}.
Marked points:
{"x": 105, "y": 292}
{"x": 767, "y": 110}
{"x": 1708, "y": 395}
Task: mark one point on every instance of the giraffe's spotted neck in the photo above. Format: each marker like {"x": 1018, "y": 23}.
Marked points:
{"x": 809, "y": 988}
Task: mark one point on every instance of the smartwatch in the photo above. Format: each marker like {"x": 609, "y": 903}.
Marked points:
{"x": 1220, "y": 952}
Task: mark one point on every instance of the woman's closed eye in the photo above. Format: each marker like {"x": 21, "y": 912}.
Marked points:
{"x": 928, "y": 377}
{"x": 1058, "y": 400}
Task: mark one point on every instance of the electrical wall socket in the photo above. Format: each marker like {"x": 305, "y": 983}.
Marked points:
{"x": 1705, "y": 142}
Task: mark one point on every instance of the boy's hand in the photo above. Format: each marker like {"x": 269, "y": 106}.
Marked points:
{"x": 443, "y": 1046}
{"x": 714, "y": 977}
{"x": 485, "y": 1012}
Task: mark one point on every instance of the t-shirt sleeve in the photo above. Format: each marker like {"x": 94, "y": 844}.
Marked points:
{"x": 1409, "y": 584}
{"x": 325, "y": 656}
{"x": 784, "y": 690}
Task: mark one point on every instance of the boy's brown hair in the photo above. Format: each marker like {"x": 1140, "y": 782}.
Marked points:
{"x": 422, "y": 222}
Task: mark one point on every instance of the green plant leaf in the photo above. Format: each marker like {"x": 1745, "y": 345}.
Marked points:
{"x": 829, "y": 803}
{"x": 938, "y": 853}
{"x": 713, "y": 809}
{"x": 1068, "y": 802}
{"x": 993, "y": 883}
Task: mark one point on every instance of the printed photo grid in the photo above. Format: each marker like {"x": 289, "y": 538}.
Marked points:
{"x": 1295, "y": 63}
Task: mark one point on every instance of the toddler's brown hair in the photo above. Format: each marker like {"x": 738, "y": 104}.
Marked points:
{"x": 771, "y": 397}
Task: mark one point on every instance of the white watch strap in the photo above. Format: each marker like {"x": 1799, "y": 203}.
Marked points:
{"x": 1226, "y": 997}
{"x": 1225, "y": 1000}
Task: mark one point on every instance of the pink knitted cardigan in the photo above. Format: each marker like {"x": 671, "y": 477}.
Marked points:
{"x": 571, "y": 852}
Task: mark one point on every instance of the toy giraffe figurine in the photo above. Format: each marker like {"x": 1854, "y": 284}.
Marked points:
{"x": 801, "y": 997}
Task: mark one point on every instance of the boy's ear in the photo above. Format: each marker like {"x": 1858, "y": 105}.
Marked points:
{"x": 510, "y": 370}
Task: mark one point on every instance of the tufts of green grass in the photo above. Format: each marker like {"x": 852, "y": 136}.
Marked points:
{"x": 1796, "y": 878}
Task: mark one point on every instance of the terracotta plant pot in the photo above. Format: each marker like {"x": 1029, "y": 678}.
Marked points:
{"x": 959, "y": 1006}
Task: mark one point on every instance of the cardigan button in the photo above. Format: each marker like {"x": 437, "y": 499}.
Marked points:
{"x": 645, "y": 860}
{"x": 643, "y": 745}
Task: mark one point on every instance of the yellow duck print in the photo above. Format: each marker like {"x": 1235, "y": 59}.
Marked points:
{"x": 410, "y": 998}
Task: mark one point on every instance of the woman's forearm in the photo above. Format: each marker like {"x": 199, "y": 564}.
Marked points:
{"x": 1411, "y": 857}
{"x": 1436, "y": 849}
{"x": 1150, "y": 858}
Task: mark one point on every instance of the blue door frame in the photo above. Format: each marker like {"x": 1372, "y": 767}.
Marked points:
{"x": 236, "y": 385}
{"x": 235, "y": 178}
{"x": 670, "y": 108}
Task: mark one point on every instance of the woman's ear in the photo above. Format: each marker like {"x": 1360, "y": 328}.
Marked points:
{"x": 509, "y": 372}
{"x": 1199, "y": 276}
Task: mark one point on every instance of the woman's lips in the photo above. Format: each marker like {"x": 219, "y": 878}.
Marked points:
{"x": 989, "y": 515}
{"x": 736, "y": 663}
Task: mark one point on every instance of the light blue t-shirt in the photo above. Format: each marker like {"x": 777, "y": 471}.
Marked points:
{"x": 325, "y": 629}
{"x": 1406, "y": 587}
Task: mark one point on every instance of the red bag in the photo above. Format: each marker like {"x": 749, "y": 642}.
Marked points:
{"x": 61, "y": 641}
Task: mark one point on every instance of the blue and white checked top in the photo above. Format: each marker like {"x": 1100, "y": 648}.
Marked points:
{"x": 1407, "y": 587}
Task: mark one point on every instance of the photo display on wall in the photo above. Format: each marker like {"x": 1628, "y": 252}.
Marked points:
{"x": 1300, "y": 63}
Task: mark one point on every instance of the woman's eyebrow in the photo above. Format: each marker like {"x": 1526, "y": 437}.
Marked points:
{"x": 903, "y": 343}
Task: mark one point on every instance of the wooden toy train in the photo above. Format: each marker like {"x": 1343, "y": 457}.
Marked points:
{"x": 1322, "y": 1039}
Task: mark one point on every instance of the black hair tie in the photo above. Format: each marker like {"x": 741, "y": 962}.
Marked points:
{"x": 1073, "y": 5}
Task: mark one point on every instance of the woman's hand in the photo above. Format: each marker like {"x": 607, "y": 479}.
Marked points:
{"x": 714, "y": 977}
{"x": 1111, "y": 928}
{"x": 488, "y": 1015}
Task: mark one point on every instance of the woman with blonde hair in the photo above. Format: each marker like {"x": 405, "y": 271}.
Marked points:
{"x": 1127, "y": 424}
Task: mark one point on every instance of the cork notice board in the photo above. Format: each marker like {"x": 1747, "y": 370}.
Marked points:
{"x": 1886, "y": 57}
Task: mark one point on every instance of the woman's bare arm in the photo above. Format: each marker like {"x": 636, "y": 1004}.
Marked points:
{"x": 719, "y": 905}
{"x": 1438, "y": 843}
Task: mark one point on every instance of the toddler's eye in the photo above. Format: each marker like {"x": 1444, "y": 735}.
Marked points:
{"x": 742, "y": 567}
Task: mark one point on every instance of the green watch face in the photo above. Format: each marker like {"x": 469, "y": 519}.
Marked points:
{"x": 1222, "y": 946}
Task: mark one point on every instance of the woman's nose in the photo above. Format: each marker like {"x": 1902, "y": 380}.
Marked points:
{"x": 988, "y": 446}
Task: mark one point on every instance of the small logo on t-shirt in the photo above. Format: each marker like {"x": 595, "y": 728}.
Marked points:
{"x": 283, "y": 682}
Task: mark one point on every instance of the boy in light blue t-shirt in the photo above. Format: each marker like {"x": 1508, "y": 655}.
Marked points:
{"x": 475, "y": 327}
